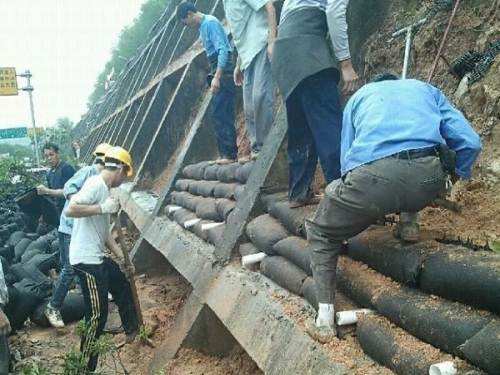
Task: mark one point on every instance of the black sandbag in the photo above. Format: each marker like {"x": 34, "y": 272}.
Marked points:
{"x": 309, "y": 292}
{"x": 185, "y": 200}
{"x": 444, "y": 324}
{"x": 207, "y": 209}
{"x": 292, "y": 219}
{"x": 387, "y": 345}
{"x": 284, "y": 273}
{"x": 54, "y": 246}
{"x": 30, "y": 254}
{"x": 182, "y": 184}
{"x": 197, "y": 229}
{"x": 33, "y": 236}
{"x": 239, "y": 192}
{"x": 483, "y": 349}
{"x": 20, "y": 248}
{"x": 44, "y": 228}
{"x": 297, "y": 251}
{"x": 196, "y": 171}
{"x": 243, "y": 172}
{"x": 183, "y": 215}
{"x": 206, "y": 188}
{"x": 227, "y": 172}
{"x": 211, "y": 172}
{"x": 7, "y": 252}
{"x": 15, "y": 237}
{"x": 216, "y": 234}
{"x": 21, "y": 304}
{"x": 41, "y": 244}
{"x": 268, "y": 200}
{"x": 225, "y": 207}
{"x": 381, "y": 251}
{"x": 36, "y": 205}
{"x": 223, "y": 190}
{"x": 461, "y": 275}
{"x": 265, "y": 231}
{"x": 72, "y": 310}
{"x": 20, "y": 272}
{"x": 44, "y": 262}
{"x": 247, "y": 248}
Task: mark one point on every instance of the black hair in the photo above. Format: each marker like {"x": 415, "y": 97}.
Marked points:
{"x": 184, "y": 8}
{"x": 386, "y": 76}
{"x": 51, "y": 146}
{"x": 116, "y": 161}
{"x": 99, "y": 160}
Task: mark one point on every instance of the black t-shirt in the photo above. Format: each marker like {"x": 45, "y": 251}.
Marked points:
{"x": 57, "y": 177}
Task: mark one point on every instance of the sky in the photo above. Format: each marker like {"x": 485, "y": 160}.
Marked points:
{"x": 65, "y": 44}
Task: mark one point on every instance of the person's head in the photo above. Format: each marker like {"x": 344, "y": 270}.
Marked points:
{"x": 99, "y": 153}
{"x": 386, "y": 76}
{"x": 117, "y": 165}
{"x": 51, "y": 154}
{"x": 187, "y": 14}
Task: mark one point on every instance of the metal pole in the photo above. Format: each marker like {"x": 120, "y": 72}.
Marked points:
{"x": 29, "y": 89}
{"x": 407, "y": 52}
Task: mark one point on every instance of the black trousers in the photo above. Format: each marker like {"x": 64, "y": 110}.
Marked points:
{"x": 96, "y": 281}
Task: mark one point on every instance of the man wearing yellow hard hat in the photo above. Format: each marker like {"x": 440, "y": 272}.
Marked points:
{"x": 71, "y": 187}
{"x": 98, "y": 274}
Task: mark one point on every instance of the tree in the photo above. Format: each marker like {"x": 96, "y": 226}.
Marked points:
{"x": 130, "y": 39}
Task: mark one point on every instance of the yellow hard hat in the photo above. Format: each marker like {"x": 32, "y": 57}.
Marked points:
{"x": 119, "y": 154}
{"x": 101, "y": 149}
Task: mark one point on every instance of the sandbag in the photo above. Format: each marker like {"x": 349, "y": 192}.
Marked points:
{"x": 54, "y": 246}
{"x": 23, "y": 300}
{"x": 284, "y": 273}
{"x": 243, "y": 172}
{"x": 268, "y": 200}
{"x": 44, "y": 262}
{"x": 197, "y": 229}
{"x": 211, "y": 172}
{"x": 443, "y": 324}
{"x": 183, "y": 215}
{"x": 225, "y": 207}
{"x": 390, "y": 346}
{"x": 182, "y": 184}
{"x": 309, "y": 292}
{"x": 247, "y": 249}
{"x": 265, "y": 231}
{"x": 382, "y": 252}
{"x": 44, "y": 228}
{"x": 7, "y": 252}
{"x": 21, "y": 272}
{"x": 223, "y": 190}
{"x": 227, "y": 172}
{"x": 297, "y": 251}
{"x": 30, "y": 254}
{"x": 292, "y": 219}
{"x": 461, "y": 275}
{"x": 216, "y": 234}
{"x": 206, "y": 188}
{"x": 196, "y": 171}
{"x": 185, "y": 200}
{"x": 72, "y": 310}
{"x": 483, "y": 349}
{"x": 15, "y": 237}
{"x": 20, "y": 248}
{"x": 239, "y": 192}
{"x": 207, "y": 209}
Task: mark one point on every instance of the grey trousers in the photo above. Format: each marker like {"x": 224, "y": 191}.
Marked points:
{"x": 258, "y": 99}
{"x": 363, "y": 196}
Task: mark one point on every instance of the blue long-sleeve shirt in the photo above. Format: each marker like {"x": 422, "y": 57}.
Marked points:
{"x": 215, "y": 40}
{"x": 73, "y": 186}
{"x": 384, "y": 118}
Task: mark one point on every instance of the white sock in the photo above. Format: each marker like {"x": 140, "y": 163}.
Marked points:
{"x": 326, "y": 313}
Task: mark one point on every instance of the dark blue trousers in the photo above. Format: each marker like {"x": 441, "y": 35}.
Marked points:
{"x": 314, "y": 119}
{"x": 223, "y": 115}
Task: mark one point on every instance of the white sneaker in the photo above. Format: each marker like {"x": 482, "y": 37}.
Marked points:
{"x": 54, "y": 316}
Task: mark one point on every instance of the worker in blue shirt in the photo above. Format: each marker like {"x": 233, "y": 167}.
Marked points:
{"x": 219, "y": 53}
{"x": 400, "y": 141}
{"x": 71, "y": 187}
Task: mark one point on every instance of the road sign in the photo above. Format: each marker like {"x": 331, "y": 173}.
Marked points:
{"x": 13, "y": 133}
{"x": 8, "y": 82}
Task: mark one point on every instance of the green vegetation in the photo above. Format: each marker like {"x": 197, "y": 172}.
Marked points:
{"x": 131, "y": 37}
{"x": 13, "y": 174}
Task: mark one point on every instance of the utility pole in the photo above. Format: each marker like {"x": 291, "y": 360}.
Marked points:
{"x": 27, "y": 74}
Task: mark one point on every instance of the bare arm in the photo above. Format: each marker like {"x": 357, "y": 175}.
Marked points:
{"x": 76, "y": 210}
{"x": 43, "y": 190}
{"x": 272, "y": 26}
{"x": 113, "y": 246}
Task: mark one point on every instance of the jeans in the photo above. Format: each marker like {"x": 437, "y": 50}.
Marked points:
{"x": 358, "y": 200}
{"x": 258, "y": 99}
{"x": 314, "y": 118}
{"x": 223, "y": 115}
{"x": 96, "y": 280}
{"x": 67, "y": 273}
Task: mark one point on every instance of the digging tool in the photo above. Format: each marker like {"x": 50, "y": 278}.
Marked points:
{"x": 130, "y": 277}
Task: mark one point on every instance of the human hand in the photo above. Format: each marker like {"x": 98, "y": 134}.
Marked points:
{"x": 41, "y": 190}
{"x": 215, "y": 86}
{"x": 238, "y": 76}
{"x": 110, "y": 206}
{"x": 349, "y": 76}
{"x": 4, "y": 324}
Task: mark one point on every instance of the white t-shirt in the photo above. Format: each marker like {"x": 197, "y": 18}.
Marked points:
{"x": 90, "y": 233}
